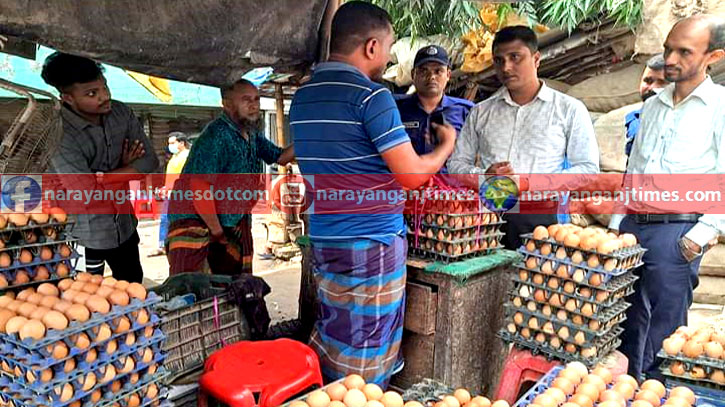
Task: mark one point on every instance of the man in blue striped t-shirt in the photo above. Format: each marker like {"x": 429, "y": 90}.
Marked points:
{"x": 346, "y": 124}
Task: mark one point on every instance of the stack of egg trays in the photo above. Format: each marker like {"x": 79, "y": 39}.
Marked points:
{"x": 707, "y": 364}
{"x": 15, "y": 232}
{"x": 35, "y": 356}
{"x": 445, "y": 257}
{"x": 31, "y": 267}
{"x": 462, "y": 221}
{"x": 591, "y": 337}
{"x": 608, "y": 343}
{"x": 445, "y": 234}
{"x": 606, "y": 275}
{"x": 541, "y": 386}
{"x": 625, "y": 259}
{"x": 618, "y": 288}
{"x": 11, "y": 392}
{"x": 32, "y": 364}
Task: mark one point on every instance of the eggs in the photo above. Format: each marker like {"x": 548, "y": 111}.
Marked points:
{"x": 337, "y": 391}
{"x": 372, "y": 391}
{"x": 354, "y": 396}
{"x": 714, "y": 350}
{"x": 649, "y": 396}
{"x": 32, "y": 329}
{"x": 684, "y": 393}
{"x": 693, "y": 349}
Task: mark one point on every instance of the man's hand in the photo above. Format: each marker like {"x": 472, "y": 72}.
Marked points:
{"x": 445, "y": 132}
{"x": 132, "y": 152}
{"x": 218, "y": 236}
{"x": 502, "y": 168}
{"x": 689, "y": 249}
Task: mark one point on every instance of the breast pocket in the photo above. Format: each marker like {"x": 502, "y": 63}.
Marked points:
{"x": 689, "y": 146}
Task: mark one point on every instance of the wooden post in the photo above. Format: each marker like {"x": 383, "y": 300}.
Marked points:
{"x": 279, "y": 103}
{"x": 325, "y": 29}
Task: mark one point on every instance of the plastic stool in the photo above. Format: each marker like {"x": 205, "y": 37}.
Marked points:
{"x": 274, "y": 370}
{"x": 143, "y": 208}
{"x": 521, "y": 366}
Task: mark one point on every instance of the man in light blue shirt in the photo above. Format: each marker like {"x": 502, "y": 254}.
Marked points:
{"x": 682, "y": 132}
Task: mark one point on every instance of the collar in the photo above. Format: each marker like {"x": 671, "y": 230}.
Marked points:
{"x": 445, "y": 103}
{"x": 337, "y": 66}
{"x": 546, "y": 94}
{"x": 72, "y": 118}
{"x": 704, "y": 91}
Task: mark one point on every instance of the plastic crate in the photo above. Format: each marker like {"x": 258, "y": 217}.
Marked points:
{"x": 196, "y": 331}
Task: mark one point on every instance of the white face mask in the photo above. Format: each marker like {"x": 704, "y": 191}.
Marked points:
{"x": 174, "y": 148}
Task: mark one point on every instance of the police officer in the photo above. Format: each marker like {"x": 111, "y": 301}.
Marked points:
{"x": 431, "y": 73}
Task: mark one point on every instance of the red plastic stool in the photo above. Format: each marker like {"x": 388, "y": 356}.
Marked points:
{"x": 521, "y": 367}
{"x": 144, "y": 208}
{"x": 275, "y": 370}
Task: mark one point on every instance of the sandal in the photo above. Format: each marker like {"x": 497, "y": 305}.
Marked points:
{"x": 157, "y": 252}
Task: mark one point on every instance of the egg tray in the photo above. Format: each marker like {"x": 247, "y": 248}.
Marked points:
{"x": 463, "y": 226}
{"x": 627, "y": 258}
{"x": 606, "y": 275}
{"x": 665, "y": 369}
{"x": 604, "y": 315}
{"x": 708, "y": 394}
{"x": 32, "y": 272}
{"x": 43, "y": 240}
{"x": 428, "y": 391}
{"x": 10, "y": 229}
{"x": 447, "y": 258}
{"x": 16, "y": 264}
{"x": 487, "y": 238}
{"x": 10, "y": 390}
{"x": 52, "y": 335}
{"x": 610, "y": 302}
{"x": 592, "y": 338}
{"x": 616, "y": 286}
{"x": 454, "y": 236}
{"x": 539, "y": 387}
{"x": 701, "y": 361}
{"x": 36, "y": 366}
{"x": 609, "y": 344}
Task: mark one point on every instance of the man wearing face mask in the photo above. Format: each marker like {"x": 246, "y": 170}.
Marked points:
{"x": 232, "y": 144}
{"x": 178, "y": 146}
{"x": 431, "y": 73}
{"x": 101, "y": 138}
{"x": 653, "y": 79}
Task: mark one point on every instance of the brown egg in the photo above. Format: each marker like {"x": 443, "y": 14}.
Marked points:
{"x": 683, "y": 392}
{"x": 5, "y": 316}
{"x": 354, "y": 397}
{"x": 318, "y": 399}
{"x": 18, "y": 219}
{"x": 109, "y": 281}
{"x": 677, "y": 402}
{"x": 698, "y": 372}
{"x": 570, "y": 374}
{"x": 96, "y": 396}
{"x": 47, "y": 289}
{"x": 108, "y": 374}
{"x": 102, "y": 332}
{"x": 121, "y": 285}
{"x": 649, "y": 396}
{"x": 5, "y": 300}
{"x": 393, "y": 399}
{"x": 104, "y": 291}
{"x": 81, "y": 341}
{"x": 89, "y": 381}
{"x": 119, "y": 297}
{"x": 58, "y": 214}
{"x": 136, "y": 290}
{"x": 59, "y": 350}
{"x": 65, "y": 284}
{"x": 89, "y": 288}
{"x": 64, "y": 251}
{"x": 501, "y": 403}
{"x": 625, "y": 378}
{"x": 83, "y": 277}
{"x": 677, "y": 368}
{"x": 545, "y": 400}
{"x": 62, "y": 270}
{"x": 91, "y": 355}
{"x": 129, "y": 365}
{"x": 62, "y": 306}
{"x": 596, "y": 279}
{"x": 693, "y": 349}
{"x": 45, "y": 253}
{"x": 78, "y": 285}
{"x": 601, "y": 371}
{"x": 148, "y": 356}
{"x": 372, "y": 392}
{"x": 612, "y": 395}
{"x": 588, "y": 389}
{"x": 130, "y": 339}
{"x": 5, "y": 260}
{"x": 41, "y": 273}
{"x": 49, "y": 302}
{"x": 69, "y": 365}
{"x": 14, "y": 306}
{"x": 641, "y": 403}
{"x": 78, "y": 312}
{"x": 481, "y": 401}
{"x": 98, "y": 304}
{"x": 21, "y": 277}
{"x": 142, "y": 316}
{"x": 39, "y": 313}
{"x": 718, "y": 376}
{"x": 625, "y": 389}
{"x": 462, "y": 395}
{"x": 557, "y": 394}
{"x": 714, "y": 350}
{"x": 26, "y": 309}
{"x": 32, "y": 329}
{"x": 451, "y": 401}
{"x": 122, "y": 325}
{"x": 116, "y": 386}
{"x": 25, "y": 256}
{"x": 541, "y": 233}
{"x": 593, "y": 378}
{"x": 64, "y": 392}
{"x": 656, "y": 386}
{"x": 673, "y": 345}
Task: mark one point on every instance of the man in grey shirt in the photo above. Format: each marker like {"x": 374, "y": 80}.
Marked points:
{"x": 525, "y": 128}
{"x": 101, "y": 137}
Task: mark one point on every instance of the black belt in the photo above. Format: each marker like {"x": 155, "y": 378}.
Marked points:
{"x": 666, "y": 218}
